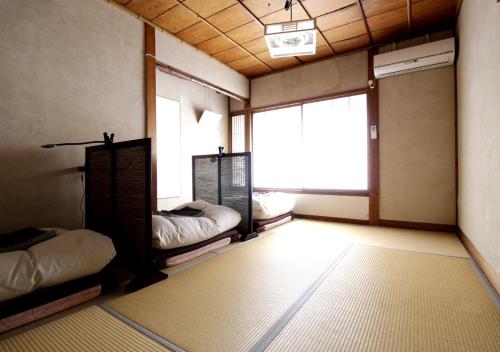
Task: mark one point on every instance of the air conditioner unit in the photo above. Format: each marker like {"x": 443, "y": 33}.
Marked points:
{"x": 420, "y": 57}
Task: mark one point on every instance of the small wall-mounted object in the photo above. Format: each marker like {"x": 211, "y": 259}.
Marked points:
{"x": 373, "y": 132}
{"x": 209, "y": 119}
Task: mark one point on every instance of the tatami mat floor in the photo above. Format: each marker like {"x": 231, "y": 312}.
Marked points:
{"x": 308, "y": 285}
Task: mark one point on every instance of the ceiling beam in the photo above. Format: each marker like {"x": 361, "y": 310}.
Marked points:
{"x": 245, "y": 7}
{"x": 222, "y": 33}
{"x": 320, "y": 32}
{"x": 408, "y": 6}
{"x": 366, "y": 22}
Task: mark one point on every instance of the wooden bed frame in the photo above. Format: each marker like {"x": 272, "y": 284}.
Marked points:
{"x": 118, "y": 204}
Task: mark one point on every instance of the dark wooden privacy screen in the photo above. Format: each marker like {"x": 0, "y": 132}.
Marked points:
{"x": 226, "y": 180}
{"x": 118, "y": 199}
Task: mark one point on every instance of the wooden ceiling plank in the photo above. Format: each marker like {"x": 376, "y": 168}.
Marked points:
{"x": 256, "y": 46}
{"x": 319, "y": 31}
{"x": 284, "y": 15}
{"x": 231, "y": 18}
{"x": 255, "y": 70}
{"x": 244, "y": 62}
{"x": 320, "y": 7}
{"x": 350, "y": 44}
{"x": 339, "y": 18}
{"x": 408, "y": 7}
{"x": 376, "y": 7}
{"x": 217, "y": 30}
{"x": 150, "y": 9}
{"x": 428, "y": 7}
{"x": 351, "y": 30}
{"x": 230, "y": 55}
{"x": 262, "y": 8}
{"x": 215, "y": 45}
{"x": 366, "y": 22}
{"x": 388, "y": 19}
{"x": 176, "y": 19}
{"x": 198, "y": 33}
{"x": 206, "y": 8}
{"x": 246, "y": 33}
{"x": 321, "y": 52}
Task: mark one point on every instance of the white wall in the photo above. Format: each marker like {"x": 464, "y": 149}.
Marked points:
{"x": 478, "y": 87}
{"x": 69, "y": 70}
{"x": 195, "y": 140}
{"x": 171, "y": 51}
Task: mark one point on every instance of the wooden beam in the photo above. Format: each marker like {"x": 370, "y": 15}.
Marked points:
{"x": 222, "y": 33}
{"x": 150, "y": 70}
{"x": 408, "y": 7}
{"x": 320, "y": 32}
{"x": 366, "y": 22}
{"x": 373, "y": 147}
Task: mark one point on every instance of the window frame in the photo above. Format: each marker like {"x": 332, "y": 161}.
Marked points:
{"x": 300, "y": 102}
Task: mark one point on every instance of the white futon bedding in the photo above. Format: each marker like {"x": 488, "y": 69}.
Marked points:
{"x": 271, "y": 204}
{"x": 68, "y": 256}
{"x": 179, "y": 231}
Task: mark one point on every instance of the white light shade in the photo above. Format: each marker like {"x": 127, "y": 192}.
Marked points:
{"x": 291, "y": 38}
{"x": 209, "y": 119}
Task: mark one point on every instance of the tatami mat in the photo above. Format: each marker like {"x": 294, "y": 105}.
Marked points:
{"x": 89, "y": 330}
{"x": 441, "y": 243}
{"x": 378, "y": 299}
{"x": 229, "y": 301}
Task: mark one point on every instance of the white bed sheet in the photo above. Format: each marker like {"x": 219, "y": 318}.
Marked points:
{"x": 68, "y": 256}
{"x": 271, "y": 204}
{"x": 179, "y": 231}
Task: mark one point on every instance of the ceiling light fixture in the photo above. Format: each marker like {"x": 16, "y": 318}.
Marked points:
{"x": 294, "y": 38}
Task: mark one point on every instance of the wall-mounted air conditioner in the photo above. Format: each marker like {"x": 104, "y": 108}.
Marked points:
{"x": 420, "y": 57}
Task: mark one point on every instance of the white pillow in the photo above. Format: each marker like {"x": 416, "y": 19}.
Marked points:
{"x": 17, "y": 274}
{"x": 71, "y": 255}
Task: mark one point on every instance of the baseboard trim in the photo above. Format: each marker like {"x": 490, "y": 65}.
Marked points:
{"x": 418, "y": 225}
{"x": 485, "y": 267}
{"x": 332, "y": 219}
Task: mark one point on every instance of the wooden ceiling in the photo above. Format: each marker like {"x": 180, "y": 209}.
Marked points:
{"x": 232, "y": 31}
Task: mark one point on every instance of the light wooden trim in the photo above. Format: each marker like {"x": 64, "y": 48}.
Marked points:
{"x": 408, "y": 7}
{"x": 331, "y": 219}
{"x": 229, "y": 127}
{"x": 319, "y": 31}
{"x": 425, "y": 226}
{"x": 366, "y": 22}
{"x": 222, "y": 33}
{"x": 373, "y": 147}
{"x": 331, "y": 192}
{"x": 248, "y": 121}
{"x": 150, "y": 68}
{"x": 485, "y": 267}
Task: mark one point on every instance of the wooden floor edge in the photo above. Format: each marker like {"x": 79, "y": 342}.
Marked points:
{"x": 418, "y": 225}
{"x": 331, "y": 219}
{"x": 485, "y": 267}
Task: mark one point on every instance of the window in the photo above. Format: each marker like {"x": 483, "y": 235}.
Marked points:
{"x": 320, "y": 145}
{"x": 168, "y": 146}
{"x": 238, "y": 133}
